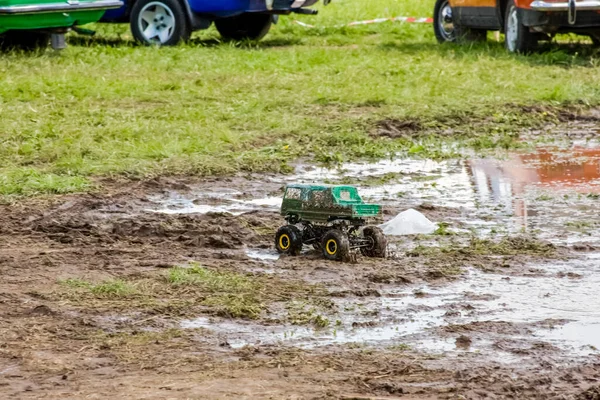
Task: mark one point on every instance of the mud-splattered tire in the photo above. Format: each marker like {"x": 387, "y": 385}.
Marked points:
{"x": 336, "y": 246}
{"x": 288, "y": 240}
{"x": 247, "y": 26}
{"x": 378, "y": 247}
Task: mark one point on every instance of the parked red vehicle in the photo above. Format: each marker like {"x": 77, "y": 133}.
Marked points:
{"x": 524, "y": 22}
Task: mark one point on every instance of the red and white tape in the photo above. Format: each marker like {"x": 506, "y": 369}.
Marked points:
{"x": 409, "y": 20}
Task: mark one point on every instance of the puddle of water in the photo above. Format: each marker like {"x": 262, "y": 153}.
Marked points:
{"x": 548, "y": 191}
{"x": 552, "y": 192}
{"x": 262, "y": 254}
{"x": 214, "y": 202}
{"x": 402, "y": 316}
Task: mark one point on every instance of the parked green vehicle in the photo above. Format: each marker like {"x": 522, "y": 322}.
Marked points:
{"x": 330, "y": 218}
{"x": 33, "y": 23}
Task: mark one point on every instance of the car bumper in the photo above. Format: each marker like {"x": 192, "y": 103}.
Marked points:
{"x": 70, "y": 6}
{"x": 288, "y": 4}
{"x": 586, "y": 5}
{"x": 560, "y": 21}
{"x": 570, "y": 7}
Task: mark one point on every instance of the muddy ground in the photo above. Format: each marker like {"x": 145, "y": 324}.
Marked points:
{"x": 134, "y": 293}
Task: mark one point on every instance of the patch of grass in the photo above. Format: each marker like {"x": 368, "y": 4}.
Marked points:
{"x": 399, "y": 347}
{"x": 114, "y": 288}
{"x": 301, "y": 313}
{"x": 507, "y": 246}
{"x": 104, "y": 106}
{"x": 442, "y": 229}
{"x": 230, "y": 294}
{"x": 192, "y": 290}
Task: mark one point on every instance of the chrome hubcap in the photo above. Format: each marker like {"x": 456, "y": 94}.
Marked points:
{"x": 445, "y": 22}
{"x": 156, "y": 22}
{"x": 512, "y": 26}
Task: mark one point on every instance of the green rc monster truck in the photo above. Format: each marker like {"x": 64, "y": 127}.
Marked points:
{"x": 331, "y": 219}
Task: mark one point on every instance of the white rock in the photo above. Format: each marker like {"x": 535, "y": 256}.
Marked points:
{"x": 409, "y": 222}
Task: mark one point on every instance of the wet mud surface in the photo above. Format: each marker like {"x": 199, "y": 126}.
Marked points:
{"x": 172, "y": 289}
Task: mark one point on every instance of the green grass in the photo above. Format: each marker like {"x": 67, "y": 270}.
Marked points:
{"x": 114, "y": 288}
{"x": 193, "y": 289}
{"x": 105, "y": 106}
{"x": 230, "y": 294}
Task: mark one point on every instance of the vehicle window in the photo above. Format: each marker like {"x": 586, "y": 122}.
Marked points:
{"x": 345, "y": 195}
{"x": 320, "y": 197}
{"x": 293, "y": 193}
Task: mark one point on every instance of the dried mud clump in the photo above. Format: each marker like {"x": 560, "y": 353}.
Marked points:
{"x": 393, "y": 128}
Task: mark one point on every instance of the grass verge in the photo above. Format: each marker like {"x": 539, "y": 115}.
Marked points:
{"x": 105, "y": 106}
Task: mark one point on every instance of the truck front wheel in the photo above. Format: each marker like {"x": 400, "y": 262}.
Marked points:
{"x": 517, "y": 37}
{"x": 247, "y": 26}
{"x": 161, "y": 22}
{"x": 336, "y": 246}
{"x": 288, "y": 240}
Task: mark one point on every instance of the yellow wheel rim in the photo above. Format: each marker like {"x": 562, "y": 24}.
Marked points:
{"x": 331, "y": 247}
{"x": 284, "y": 242}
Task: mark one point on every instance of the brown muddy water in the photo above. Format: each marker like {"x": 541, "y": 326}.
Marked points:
{"x": 551, "y": 193}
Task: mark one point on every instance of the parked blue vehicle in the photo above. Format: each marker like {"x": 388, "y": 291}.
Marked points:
{"x": 169, "y": 22}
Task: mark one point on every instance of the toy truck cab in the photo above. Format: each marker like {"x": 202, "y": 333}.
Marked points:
{"x": 321, "y": 203}
{"x": 168, "y": 22}
{"x": 524, "y": 22}
{"x": 331, "y": 219}
{"x": 30, "y": 23}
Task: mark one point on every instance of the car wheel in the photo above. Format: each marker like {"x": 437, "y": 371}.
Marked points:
{"x": 518, "y": 38}
{"x": 336, "y": 246}
{"x": 288, "y": 240}
{"x": 447, "y": 30}
{"x": 378, "y": 245}
{"x": 595, "y": 40}
{"x": 443, "y": 24}
{"x": 24, "y": 40}
{"x": 247, "y": 26}
{"x": 160, "y": 22}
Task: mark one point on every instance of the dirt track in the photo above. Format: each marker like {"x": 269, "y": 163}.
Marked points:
{"x": 61, "y": 341}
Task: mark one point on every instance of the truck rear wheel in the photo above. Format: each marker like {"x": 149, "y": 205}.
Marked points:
{"x": 288, "y": 240}
{"x": 378, "y": 246}
{"x": 247, "y": 26}
{"x": 336, "y": 246}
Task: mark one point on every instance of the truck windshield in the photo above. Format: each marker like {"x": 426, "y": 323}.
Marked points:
{"x": 346, "y": 196}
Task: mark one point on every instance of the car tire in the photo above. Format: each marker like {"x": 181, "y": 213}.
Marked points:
{"x": 288, "y": 240}
{"x": 247, "y": 26}
{"x": 447, "y": 30}
{"x": 517, "y": 37}
{"x": 378, "y": 246}
{"x": 159, "y": 22}
{"x": 24, "y": 40}
{"x": 595, "y": 40}
{"x": 336, "y": 246}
